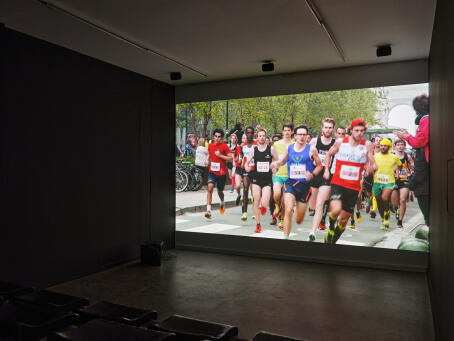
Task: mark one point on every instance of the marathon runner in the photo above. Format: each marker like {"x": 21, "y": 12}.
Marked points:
{"x": 388, "y": 165}
{"x": 246, "y": 150}
{"x": 399, "y": 195}
{"x": 218, "y": 155}
{"x": 369, "y": 180}
{"x": 320, "y": 187}
{"x": 232, "y": 145}
{"x": 340, "y": 133}
{"x": 274, "y": 139}
{"x": 281, "y": 175}
{"x": 300, "y": 158}
{"x": 262, "y": 155}
{"x": 353, "y": 154}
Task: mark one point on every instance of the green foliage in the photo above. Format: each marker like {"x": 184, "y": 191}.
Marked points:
{"x": 272, "y": 112}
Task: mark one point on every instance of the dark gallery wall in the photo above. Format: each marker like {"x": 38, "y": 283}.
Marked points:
{"x": 441, "y": 73}
{"x": 78, "y": 181}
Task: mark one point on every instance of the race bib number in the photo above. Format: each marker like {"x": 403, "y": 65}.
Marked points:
{"x": 403, "y": 173}
{"x": 322, "y": 156}
{"x": 263, "y": 167}
{"x": 215, "y": 166}
{"x": 297, "y": 171}
{"x": 349, "y": 172}
{"x": 382, "y": 178}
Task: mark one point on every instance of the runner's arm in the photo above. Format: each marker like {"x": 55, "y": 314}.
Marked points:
{"x": 281, "y": 161}
{"x": 313, "y": 153}
{"x": 371, "y": 167}
{"x": 411, "y": 164}
{"x": 332, "y": 151}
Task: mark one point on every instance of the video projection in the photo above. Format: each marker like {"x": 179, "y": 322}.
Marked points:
{"x": 342, "y": 167}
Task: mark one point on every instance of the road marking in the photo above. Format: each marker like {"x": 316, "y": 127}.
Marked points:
{"x": 179, "y": 221}
{"x": 349, "y": 242}
{"x": 212, "y": 228}
{"x": 271, "y": 234}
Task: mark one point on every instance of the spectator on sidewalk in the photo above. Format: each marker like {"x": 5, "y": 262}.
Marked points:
{"x": 201, "y": 154}
{"x": 419, "y": 183}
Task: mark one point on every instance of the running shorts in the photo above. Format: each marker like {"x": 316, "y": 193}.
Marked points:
{"x": 279, "y": 179}
{"x": 229, "y": 165}
{"x": 347, "y": 196}
{"x": 319, "y": 180}
{"x": 401, "y": 184}
{"x": 217, "y": 180}
{"x": 299, "y": 189}
{"x": 378, "y": 188}
{"x": 368, "y": 182}
{"x": 262, "y": 181}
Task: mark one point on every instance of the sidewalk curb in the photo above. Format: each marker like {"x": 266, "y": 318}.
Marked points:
{"x": 202, "y": 208}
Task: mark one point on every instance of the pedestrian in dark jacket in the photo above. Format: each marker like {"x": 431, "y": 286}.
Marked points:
{"x": 419, "y": 183}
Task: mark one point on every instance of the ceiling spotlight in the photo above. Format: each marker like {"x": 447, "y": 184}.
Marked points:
{"x": 175, "y": 76}
{"x": 383, "y": 50}
{"x": 267, "y": 66}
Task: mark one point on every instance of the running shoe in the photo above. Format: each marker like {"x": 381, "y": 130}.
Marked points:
{"x": 311, "y": 213}
{"x": 262, "y": 210}
{"x": 253, "y": 217}
{"x": 399, "y": 223}
{"x": 276, "y": 211}
{"x": 238, "y": 199}
{"x": 352, "y": 225}
{"x": 208, "y": 214}
{"x": 383, "y": 227}
{"x": 322, "y": 226}
{"x": 273, "y": 221}
{"x": 244, "y": 216}
{"x": 258, "y": 228}
{"x": 222, "y": 209}
{"x": 311, "y": 237}
{"x": 231, "y": 190}
{"x": 386, "y": 219}
{"x": 281, "y": 224}
{"x": 373, "y": 214}
{"x": 398, "y": 213}
{"x": 359, "y": 217}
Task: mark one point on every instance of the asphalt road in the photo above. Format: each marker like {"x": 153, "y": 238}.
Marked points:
{"x": 366, "y": 233}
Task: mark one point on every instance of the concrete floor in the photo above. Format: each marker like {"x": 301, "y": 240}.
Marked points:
{"x": 304, "y": 300}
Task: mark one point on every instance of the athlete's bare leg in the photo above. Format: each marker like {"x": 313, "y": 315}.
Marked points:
{"x": 323, "y": 195}
{"x": 256, "y": 193}
{"x": 238, "y": 182}
{"x": 266, "y": 195}
{"x": 289, "y": 201}
{"x": 300, "y": 211}
{"x": 246, "y": 184}
{"x": 403, "y": 202}
{"x": 210, "y": 193}
{"x": 313, "y": 199}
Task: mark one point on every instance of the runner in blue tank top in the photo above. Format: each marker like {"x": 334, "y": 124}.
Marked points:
{"x": 300, "y": 158}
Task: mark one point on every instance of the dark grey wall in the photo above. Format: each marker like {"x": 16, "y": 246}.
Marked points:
{"x": 78, "y": 185}
{"x": 441, "y": 75}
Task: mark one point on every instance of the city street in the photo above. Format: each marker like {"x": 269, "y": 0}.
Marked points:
{"x": 190, "y": 217}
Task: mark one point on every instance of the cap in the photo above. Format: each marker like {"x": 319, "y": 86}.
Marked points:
{"x": 358, "y": 122}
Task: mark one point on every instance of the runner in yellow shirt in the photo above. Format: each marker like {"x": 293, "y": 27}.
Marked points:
{"x": 388, "y": 165}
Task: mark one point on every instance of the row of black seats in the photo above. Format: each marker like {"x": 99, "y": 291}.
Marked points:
{"x": 27, "y": 314}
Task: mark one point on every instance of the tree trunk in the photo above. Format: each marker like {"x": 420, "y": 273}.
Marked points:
{"x": 191, "y": 110}
{"x": 241, "y": 115}
{"x": 206, "y": 119}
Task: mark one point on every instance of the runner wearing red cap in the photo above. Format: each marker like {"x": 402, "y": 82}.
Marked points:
{"x": 353, "y": 154}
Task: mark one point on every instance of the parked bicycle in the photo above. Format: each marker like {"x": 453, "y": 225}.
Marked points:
{"x": 188, "y": 177}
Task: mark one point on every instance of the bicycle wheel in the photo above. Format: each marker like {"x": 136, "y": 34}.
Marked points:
{"x": 181, "y": 181}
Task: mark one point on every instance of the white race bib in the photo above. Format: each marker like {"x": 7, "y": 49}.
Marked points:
{"x": 403, "y": 173}
{"x": 215, "y": 166}
{"x": 297, "y": 171}
{"x": 349, "y": 172}
{"x": 382, "y": 178}
{"x": 322, "y": 156}
{"x": 262, "y": 167}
